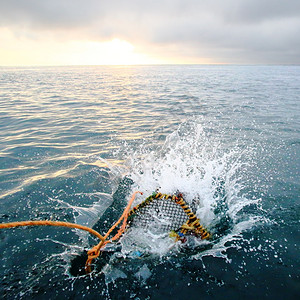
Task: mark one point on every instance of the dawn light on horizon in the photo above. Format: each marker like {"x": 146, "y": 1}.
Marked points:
{"x": 149, "y": 32}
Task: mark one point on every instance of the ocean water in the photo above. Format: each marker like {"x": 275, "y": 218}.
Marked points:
{"x": 77, "y": 141}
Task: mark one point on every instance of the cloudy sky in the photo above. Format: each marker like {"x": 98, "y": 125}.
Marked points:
{"x": 64, "y": 32}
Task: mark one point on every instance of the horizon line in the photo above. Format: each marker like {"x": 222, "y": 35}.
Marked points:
{"x": 153, "y": 64}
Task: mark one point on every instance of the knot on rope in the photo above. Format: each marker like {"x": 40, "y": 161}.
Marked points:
{"x": 96, "y": 250}
{"x": 92, "y": 254}
{"x": 187, "y": 227}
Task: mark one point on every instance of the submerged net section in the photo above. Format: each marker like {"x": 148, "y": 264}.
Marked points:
{"x": 166, "y": 213}
{"x": 162, "y": 214}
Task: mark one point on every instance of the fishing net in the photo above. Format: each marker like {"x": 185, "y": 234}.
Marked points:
{"x": 166, "y": 213}
{"x": 161, "y": 213}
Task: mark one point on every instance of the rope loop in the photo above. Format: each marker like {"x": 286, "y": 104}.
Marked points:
{"x": 192, "y": 225}
{"x": 96, "y": 250}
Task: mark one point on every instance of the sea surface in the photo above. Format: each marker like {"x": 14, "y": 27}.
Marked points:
{"x": 76, "y": 142}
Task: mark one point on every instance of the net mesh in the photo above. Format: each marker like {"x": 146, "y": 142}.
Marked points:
{"x": 160, "y": 214}
{"x": 166, "y": 213}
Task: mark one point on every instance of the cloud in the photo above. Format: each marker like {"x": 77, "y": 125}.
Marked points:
{"x": 249, "y": 31}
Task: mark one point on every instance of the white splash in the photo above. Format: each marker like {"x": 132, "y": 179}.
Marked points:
{"x": 212, "y": 179}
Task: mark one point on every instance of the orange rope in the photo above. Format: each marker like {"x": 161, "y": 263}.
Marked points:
{"x": 95, "y": 251}
{"x": 51, "y": 223}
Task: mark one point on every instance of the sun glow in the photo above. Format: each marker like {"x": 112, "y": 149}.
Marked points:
{"x": 114, "y": 52}
{"x": 25, "y": 50}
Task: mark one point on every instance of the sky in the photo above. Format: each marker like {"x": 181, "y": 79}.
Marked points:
{"x": 125, "y": 32}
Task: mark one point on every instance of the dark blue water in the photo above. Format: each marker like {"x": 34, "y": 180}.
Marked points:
{"x": 77, "y": 141}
